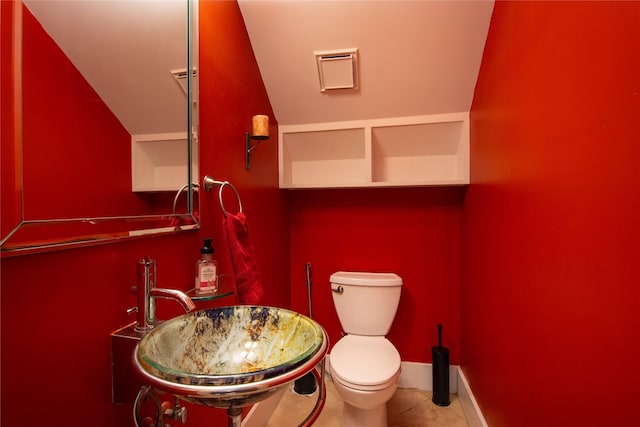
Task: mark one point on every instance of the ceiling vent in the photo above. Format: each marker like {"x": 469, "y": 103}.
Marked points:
{"x": 337, "y": 69}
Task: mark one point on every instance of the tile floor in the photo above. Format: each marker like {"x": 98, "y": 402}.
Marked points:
{"x": 407, "y": 408}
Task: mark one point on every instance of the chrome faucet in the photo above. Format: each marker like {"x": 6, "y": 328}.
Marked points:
{"x": 147, "y": 292}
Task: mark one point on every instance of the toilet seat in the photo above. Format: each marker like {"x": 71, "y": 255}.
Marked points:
{"x": 365, "y": 362}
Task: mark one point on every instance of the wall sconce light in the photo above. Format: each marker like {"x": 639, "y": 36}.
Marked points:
{"x": 260, "y": 132}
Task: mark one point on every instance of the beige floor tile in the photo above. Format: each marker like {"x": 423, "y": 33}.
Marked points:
{"x": 407, "y": 408}
{"x": 423, "y": 412}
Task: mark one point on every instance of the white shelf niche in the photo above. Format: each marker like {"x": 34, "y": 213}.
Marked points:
{"x": 159, "y": 162}
{"x": 401, "y": 151}
{"x": 324, "y": 158}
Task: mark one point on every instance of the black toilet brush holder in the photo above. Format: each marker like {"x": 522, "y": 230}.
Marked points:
{"x": 306, "y": 384}
{"x": 440, "y": 372}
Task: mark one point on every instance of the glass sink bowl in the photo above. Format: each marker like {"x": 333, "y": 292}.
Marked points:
{"x": 230, "y": 356}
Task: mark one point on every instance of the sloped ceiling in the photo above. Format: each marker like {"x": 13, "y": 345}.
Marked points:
{"x": 126, "y": 51}
{"x": 416, "y": 57}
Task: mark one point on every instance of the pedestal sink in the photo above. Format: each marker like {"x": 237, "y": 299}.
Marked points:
{"x": 230, "y": 357}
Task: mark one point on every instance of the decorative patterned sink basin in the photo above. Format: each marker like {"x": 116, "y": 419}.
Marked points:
{"x": 230, "y": 356}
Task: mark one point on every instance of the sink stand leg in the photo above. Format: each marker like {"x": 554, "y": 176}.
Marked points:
{"x": 234, "y": 417}
{"x": 319, "y": 373}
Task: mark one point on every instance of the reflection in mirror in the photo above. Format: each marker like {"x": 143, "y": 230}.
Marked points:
{"x": 104, "y": 125}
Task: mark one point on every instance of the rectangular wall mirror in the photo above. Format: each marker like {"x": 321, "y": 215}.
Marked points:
{"x": 102, "y": 142}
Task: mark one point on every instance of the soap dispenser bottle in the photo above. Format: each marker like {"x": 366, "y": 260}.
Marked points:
{"x": 206, "y": 270}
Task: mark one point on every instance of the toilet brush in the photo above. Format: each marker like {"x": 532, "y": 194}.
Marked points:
{"x": 440, "y": 372}
{"x": 307, "y": 383}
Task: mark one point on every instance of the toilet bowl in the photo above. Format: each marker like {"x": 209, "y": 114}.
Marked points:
{"x": 364, "y": 364}
{"x": 365, "y": 372}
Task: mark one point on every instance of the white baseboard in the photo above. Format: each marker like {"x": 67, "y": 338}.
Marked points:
{"x": 419, "y": 375}
{"x": 470, "y": 407}
{"x": 413, "y": 375}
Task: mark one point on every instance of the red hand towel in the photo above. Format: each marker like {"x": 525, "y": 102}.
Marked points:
{"x": 245, "y": 270}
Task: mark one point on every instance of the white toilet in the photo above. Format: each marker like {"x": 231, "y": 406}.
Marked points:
{"x": 365, "y": 366}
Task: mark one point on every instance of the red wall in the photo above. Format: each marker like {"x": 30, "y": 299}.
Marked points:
{"x": 60, "y": 106}
{"x": 63, "y": 120}
{"x": 10, "y": 184}
{"x": 231, "y": 92}
{"x": 58, "y": 308}
{"x": 414, "y": 232}
{"x": 551, "y": 232}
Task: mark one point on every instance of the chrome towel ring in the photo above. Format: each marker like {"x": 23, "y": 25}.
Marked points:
{"x": 224, "y": 184}
{"x": 208, "y": 183}
{"x": 194, "y": 187}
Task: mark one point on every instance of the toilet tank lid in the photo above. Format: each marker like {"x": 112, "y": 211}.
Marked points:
{"x": 365, "y": 279}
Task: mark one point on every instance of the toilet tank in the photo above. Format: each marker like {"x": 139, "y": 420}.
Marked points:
{"x": 366, "y": 303}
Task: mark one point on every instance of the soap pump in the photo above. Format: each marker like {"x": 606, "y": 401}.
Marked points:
{"x": 206, "y": 270}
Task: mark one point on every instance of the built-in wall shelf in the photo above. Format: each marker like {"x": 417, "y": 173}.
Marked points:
{"x": 390, "y": 152}
{"x": 159, "y": 162}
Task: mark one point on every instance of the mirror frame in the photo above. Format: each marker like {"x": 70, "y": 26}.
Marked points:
{"x": 33, "y": 236}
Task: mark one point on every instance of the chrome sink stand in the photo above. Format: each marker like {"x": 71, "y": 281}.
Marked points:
{"x": 234, "y": 413}
{"x": 177, "y": 412}
{"x": 234, "y": 416}
{"x": 319, "y": 373}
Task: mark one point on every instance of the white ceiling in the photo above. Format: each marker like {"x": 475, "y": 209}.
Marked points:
{"x": 416, "y": 57}
{"x": 126, "y": 51}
